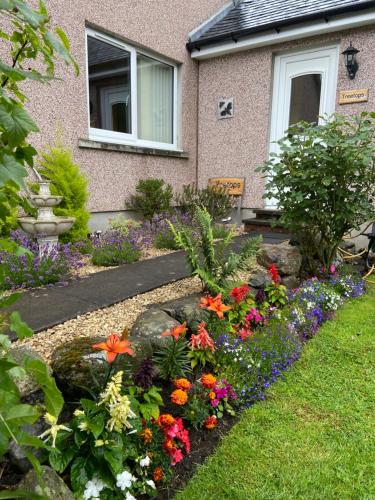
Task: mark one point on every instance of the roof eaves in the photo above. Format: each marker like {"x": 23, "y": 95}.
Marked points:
{"x": 236, "y": 35}
{"x": 217, "y": 17}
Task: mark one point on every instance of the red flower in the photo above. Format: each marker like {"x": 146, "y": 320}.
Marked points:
{"x": 245, "y": 333}
{"x": 210, "y": 422}
{"x": 239, "y": 294}
{"x": 202, "y": 340}
{"x": 114, "y": 346}
{"x": 176, "y": 332}
{"x": 274, "y": 273}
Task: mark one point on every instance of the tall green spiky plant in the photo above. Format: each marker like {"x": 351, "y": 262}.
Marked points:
{"x": 212, "y": 261}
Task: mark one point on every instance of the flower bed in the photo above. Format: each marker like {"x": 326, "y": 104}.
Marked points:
{"x": 135, "y": 424}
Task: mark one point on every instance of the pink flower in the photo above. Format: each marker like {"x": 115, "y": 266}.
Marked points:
{"x": 254, "y": 315}
{"x": 332, "y": 269}
{"x": 202, "y": 340}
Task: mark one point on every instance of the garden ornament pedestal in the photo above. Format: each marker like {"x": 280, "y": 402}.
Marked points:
{"x": 46, "y": 226}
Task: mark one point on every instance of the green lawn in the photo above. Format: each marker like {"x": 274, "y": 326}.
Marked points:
{"x": 314, "y": 438}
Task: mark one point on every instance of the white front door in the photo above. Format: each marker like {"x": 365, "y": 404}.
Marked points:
{"x": 304, "y": 88}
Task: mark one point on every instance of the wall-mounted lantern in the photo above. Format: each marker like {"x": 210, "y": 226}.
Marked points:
{"x": 351, "y": 63}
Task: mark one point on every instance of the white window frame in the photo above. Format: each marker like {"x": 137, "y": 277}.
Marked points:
{"x": 109, "y": 136}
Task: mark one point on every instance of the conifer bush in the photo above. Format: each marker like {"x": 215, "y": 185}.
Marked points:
{"x": 67, "y": 181}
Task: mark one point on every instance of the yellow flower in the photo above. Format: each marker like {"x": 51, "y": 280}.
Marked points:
{"x": 100, "y": 442}
{"x": 111, "y": 393}
{"x": 53, "y": 430}
{"x": 120, "y": 412}
{"x": 78, "y": 413}
{"x": 83, "y": 426}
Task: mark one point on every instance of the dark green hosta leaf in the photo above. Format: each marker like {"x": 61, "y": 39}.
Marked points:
{"x": 16, "y": 123}
{"x": 60, "y": 460}
{"x": 115, "y": 457}
{"x": 79, "y": 474}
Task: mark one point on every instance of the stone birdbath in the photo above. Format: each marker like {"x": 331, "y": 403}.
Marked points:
{"x": 46, "y": 227}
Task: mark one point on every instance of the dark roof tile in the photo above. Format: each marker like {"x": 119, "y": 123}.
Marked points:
{"x": 254, "y": 15}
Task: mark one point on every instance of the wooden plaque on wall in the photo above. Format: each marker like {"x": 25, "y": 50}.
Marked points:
{"x": 233, "y": 185}
{"x": 352, "y": 96}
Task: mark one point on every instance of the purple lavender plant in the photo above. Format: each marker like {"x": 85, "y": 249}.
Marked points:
{"x": 31, "y": 270}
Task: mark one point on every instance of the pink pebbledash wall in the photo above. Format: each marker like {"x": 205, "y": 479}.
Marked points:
{"x": 232, "y": 147}
{"x": 160, "y": 26}
{"x": 237, "y": 146}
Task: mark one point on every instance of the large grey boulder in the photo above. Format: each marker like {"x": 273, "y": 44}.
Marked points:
{"x": 55, "y": 488}
{"x": 287, "y": 258}
{"x": 75, "y": 363}
{"x": 184, "y": 309}
{"x": 151, "y": 324}
{"x": 259, "y": 278}
{"x": 26, "y": 385}
{"x": 15, "y": 453}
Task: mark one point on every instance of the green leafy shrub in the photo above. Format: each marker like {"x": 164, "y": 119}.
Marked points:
{"x": 324, "y": 180}
{"x": 210, "y": 261}
{"x": 67, "y": 181}
{"x": 217, "y": 202}
{"x": 114, "y": 248}
{"x": 165, "y": 241}
{"x": 152, "y": 197}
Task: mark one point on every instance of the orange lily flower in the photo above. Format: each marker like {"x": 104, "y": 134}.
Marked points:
{"x": 216, "y": 305}
{"x": 114, "y": 346}
{"x": 176, "y": 332}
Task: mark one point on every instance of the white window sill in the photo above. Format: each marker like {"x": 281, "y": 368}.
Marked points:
{"x": 124, "y": 148}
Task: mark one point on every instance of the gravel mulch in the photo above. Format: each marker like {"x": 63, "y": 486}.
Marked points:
{"x": 109, "y": 320}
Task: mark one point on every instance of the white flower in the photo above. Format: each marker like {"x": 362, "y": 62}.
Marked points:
{"x": 93, "y": 488}
{"x": 145, "y": 462}
{"x": 129, "y": 496}
{"x": 151, "y": 483}
{"x": 124, "y": 480}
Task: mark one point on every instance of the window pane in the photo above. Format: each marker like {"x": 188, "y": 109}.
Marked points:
{"x": 155, "y": 100}
{"x": 109, "y": 86}
{"x": 305, "y": 98}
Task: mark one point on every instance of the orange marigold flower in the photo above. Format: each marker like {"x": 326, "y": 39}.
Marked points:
{"x": 165, "y": 419}
{"x": 176, "y": 332}
{"x": 158, "y": 475}
{"x": 179, "y": 397}
{"x": 146, "y": 435}
{"x": 208, "y": 381}
{"x": 212, "y": 395}
{"x": 168, "y": 445}
{"x": 183, "y": 384}
{"x": 114, "y": 346}
{"x": 210, "y": 422}
{"x": 215, "y": 304}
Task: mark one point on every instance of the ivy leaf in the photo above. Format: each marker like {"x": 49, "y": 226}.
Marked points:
{"x": 19, "y": 327}
{"x": 17, "y": 123}
{"x": 53, "y": 398}
{"x": 20, "y": 414}
{"x": 11, "y": 170}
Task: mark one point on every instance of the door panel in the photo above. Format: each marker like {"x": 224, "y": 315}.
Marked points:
{"x": 304, "y": 87}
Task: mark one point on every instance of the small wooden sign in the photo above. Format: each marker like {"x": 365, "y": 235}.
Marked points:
{"x": 233, "y": 185}
{"x": 351, "y": 96}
